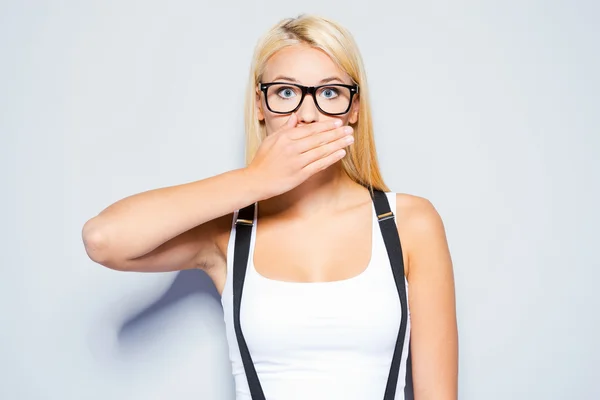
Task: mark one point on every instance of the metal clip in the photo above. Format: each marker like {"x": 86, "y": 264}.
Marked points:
{"x": 384, "y": 216}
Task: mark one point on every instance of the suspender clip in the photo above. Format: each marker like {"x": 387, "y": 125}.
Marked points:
{"x": 384, "y": 216}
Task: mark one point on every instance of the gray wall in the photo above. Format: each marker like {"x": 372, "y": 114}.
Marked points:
{"x": 489, "y": 109}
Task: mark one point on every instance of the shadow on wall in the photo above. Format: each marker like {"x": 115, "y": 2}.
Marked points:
{"x": 187, "y": 283}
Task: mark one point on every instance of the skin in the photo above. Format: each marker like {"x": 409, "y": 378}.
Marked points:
{"x": 325, "y": 215}
{"x": 327, "y": 221}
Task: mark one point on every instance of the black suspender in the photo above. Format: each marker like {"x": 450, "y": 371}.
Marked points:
{"x": 243, "y": 234}
{"x": 389, "y": 232}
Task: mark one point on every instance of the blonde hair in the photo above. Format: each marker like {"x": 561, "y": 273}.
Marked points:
{"x": 360, "y": 162}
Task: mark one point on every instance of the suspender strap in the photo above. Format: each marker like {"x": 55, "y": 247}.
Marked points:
{"x": 389, "y": 231}
{"x": 243, "y": 235}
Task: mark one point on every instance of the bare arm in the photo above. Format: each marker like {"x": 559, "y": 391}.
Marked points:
{"x": 140, "y": 232}
{"x": 434, "y": 337}
{"x": 176, "y": 227}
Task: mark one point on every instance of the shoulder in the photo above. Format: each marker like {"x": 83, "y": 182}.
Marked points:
{"x": 420, "y": 226}
{"x": 417, "y": 212}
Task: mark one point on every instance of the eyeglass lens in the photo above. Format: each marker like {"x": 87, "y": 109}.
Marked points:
{"x": 285, "y": 98}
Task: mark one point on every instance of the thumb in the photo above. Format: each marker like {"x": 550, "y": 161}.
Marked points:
{"x": 292, "y": 121}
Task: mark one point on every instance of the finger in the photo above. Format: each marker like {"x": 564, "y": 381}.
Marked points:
{"x": 326, "y": 150}
{"x": 292, "y": 121}
{"x": 323, "y": 163}
{"x": 322, "y": 138}
{"x": 288, "y": 126}
{"x": 310, "y": 129}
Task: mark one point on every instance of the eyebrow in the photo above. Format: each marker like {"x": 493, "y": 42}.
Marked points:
{"x": 326, "y": 80}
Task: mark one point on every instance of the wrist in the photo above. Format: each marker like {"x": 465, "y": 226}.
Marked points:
{"x": 255, "y": 185}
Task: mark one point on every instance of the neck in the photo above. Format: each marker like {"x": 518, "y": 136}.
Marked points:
{"x": 321, "y": 193}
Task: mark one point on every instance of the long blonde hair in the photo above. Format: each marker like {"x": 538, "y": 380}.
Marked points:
{"x": 360, "y": 162}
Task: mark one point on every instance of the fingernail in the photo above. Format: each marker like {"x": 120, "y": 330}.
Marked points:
{"x": 338, "y": 122}
{"x": 348, "y": 129}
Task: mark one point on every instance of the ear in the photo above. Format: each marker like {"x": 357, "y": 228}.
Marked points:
{"x": 353, "y": 119}
{"x": 259, "y": 106}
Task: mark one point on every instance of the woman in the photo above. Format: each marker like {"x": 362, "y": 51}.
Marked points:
{"x": 323, "y": 315}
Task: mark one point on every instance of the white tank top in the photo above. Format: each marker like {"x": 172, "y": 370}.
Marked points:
{"x": 324, "y": 340}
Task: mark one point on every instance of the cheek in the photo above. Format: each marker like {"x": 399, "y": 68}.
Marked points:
{"x": 273, "y": 122}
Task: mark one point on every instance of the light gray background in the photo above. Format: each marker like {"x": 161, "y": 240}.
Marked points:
{"x": 487, "y": 108}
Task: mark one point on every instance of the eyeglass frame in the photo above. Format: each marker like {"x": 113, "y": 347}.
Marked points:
{"x": 308, "y": 90}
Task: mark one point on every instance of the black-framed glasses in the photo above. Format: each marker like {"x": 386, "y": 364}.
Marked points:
{"x": 286, "y": 98}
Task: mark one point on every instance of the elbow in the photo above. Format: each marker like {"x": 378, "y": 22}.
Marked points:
{"x": 97, "y": 245}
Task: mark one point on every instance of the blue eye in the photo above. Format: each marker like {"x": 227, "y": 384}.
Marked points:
{"x": 286, "y": 93}
{"x": 329, "y": 93}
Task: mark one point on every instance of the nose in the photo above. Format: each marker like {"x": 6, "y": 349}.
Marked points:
{"x": 308, "y": 111}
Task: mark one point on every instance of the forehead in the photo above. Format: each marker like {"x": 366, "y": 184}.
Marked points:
{"x": 305, "y": 64}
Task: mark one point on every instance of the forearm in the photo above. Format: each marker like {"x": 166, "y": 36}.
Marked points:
{"x": 136, "y": 225}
